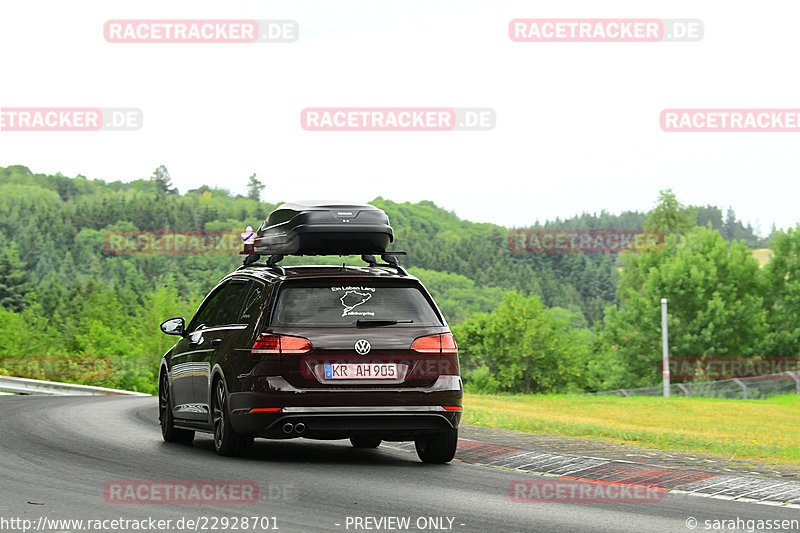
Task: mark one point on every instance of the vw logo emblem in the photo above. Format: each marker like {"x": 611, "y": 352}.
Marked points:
{"x": 363, "y": 347}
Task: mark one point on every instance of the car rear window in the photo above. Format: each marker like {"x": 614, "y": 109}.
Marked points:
{"x": 343, "y": 303}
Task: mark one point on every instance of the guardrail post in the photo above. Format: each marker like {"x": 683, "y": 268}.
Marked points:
{"x": 743, "y": 386}
{"x": 796, "y": 380}
{"x": 664, "y": 348}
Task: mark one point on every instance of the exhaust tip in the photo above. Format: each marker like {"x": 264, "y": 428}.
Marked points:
{"x": 287, "y": 427}
{"x": 300, "y": 427}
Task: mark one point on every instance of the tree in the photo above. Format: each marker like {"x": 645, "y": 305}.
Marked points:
{"x": 254, "y": 188}
{"x": 526, "y": 347}
{"x": 669, "y": 216}
{"x": 50, "y": 294}
{"x": 715, "y": 304}
{"x": 13, "y": 278}
{"x": 782, "y": 275}
{"x": 709, "y": 214}
{"x": 728, "y": 230}
{"x": 162, "y": 180}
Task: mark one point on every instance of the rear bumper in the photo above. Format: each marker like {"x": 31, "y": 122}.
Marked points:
{"x": 391, "y": 414}
{"x": 390, "y": 426}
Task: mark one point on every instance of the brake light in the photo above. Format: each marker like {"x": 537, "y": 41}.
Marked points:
{"x": 430, "y": 344}
{"x": 266, "y": 344}
{"x": 278, "y": 344}
{"x": 439, "y": 343}
{"x": 294, "y": 344}
{"x": 449, "y": 343}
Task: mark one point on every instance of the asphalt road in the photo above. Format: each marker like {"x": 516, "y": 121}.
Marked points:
{"x": 58, "y": 453}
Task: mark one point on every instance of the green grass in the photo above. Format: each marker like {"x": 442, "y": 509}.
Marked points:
{"x": 762, "y": 430}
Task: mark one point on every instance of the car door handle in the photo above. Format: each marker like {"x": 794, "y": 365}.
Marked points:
{"x": 216, "y": 342}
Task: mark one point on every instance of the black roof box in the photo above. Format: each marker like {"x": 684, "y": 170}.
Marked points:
{"x": 324, "y": 228}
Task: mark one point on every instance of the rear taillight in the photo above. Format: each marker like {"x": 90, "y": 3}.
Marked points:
{"x": 294, "y": 344}
{"x": 439, "y": 343}
{"x": 449, "y": 343}
{"x": 278, "y": 344}
{"x": 267, "y": 344}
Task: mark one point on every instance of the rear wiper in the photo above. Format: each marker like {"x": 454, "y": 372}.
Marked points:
{"x": 378, "y": 323}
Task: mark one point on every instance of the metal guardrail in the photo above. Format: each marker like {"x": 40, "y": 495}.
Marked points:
{"x": 746, "y": 388}
{"x": 53, "y": 388}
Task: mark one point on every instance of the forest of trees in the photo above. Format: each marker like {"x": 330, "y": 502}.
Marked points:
{"x": 524, "y": 322}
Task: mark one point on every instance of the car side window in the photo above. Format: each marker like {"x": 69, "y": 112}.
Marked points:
{"x": 221, "y": 308}
{"x": 251, "y": 301}
{"x": 226, "y": 309}
{"x": 203, "y": 315}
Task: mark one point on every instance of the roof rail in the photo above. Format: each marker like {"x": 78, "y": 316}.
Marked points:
{"x": 391, "y": 261}
{"x": 272, "y": 263}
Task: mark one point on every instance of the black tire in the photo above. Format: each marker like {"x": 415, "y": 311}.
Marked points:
{"x": 168, "y": 430}
{"x": 365, "y": 442}
{"x": 226, "y": 441}
{"x": 438, "y": 448}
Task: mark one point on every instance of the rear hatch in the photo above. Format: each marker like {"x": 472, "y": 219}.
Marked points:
{"x": 359, "y": 332}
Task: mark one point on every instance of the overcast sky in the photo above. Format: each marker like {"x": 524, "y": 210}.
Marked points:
{"x": 577, "y": 123}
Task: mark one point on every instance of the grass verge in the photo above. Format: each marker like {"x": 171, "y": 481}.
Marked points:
{"x": 761, "y": 430}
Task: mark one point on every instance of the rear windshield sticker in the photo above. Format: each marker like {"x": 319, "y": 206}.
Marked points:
{"x": 353, "y": 297}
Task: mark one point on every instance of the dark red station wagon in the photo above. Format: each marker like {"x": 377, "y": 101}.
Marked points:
{"x": 321, "y": 352}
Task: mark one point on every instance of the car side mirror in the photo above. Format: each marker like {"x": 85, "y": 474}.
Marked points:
{"x": 174, "y": 326}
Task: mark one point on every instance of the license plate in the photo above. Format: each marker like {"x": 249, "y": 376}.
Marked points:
{"x": 361, "y": 371}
